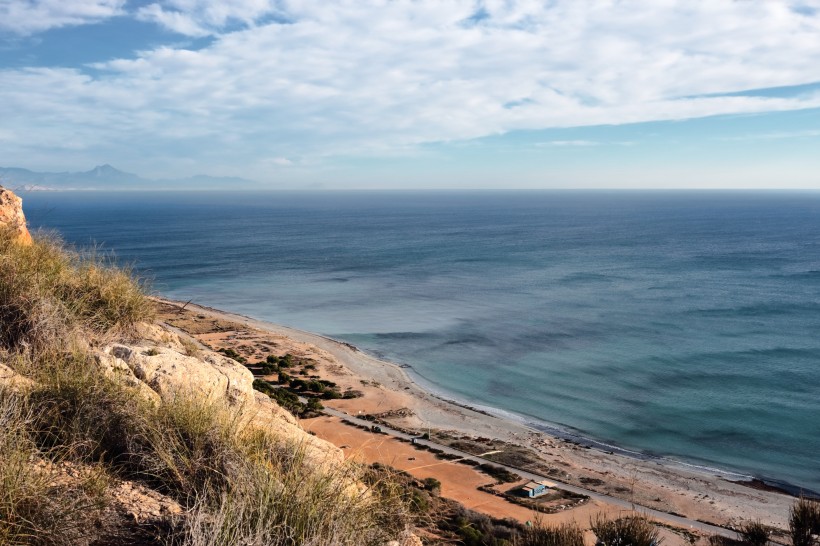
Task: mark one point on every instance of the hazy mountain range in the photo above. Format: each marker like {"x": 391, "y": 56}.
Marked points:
{"x": 106, "y": 177}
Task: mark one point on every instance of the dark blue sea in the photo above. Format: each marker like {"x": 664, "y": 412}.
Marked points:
{"x": 679, "y": 324}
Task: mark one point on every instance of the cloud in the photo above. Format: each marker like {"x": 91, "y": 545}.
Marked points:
{"x": 310, "y": 79}
{"x": 25, "y": 17}
{"x": 204, "y": 17}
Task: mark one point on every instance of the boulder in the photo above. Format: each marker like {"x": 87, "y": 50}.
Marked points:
{"x": 160, "y": 371}
{"x": 13, "y": 380}
{"x": 170, "y": 373}
{"x": 11, "y": 215}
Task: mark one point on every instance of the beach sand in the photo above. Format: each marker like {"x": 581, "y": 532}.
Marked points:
{"x": 389, "y": 391}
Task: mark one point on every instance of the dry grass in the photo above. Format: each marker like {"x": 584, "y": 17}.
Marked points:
{"x": 632, "y": 530}
{"x": 242, "y": 485}
{"x": 754, "y": 533}
{"x": 568, "y": 534}
{"x": 280, "y": 499}
{"x": 804, "y": 522}
{"x": 51, "y": 295}
{"x": 38, "y": 506}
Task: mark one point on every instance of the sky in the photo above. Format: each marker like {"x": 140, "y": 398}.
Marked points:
{"x": 417, "y": 94}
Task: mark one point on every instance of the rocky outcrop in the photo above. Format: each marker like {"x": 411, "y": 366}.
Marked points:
{"x": 159, "y": 367}
{"x": 11, "y": 215}
{"x": 12, "y": 380}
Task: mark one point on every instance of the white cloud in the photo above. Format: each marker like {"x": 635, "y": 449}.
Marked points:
{"x": 373, "y": 76}
{"x": 204, "y": 17}
{"x": 24, "y": 17}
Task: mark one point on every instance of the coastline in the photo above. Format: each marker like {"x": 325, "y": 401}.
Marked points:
{"x": 707, "y": 494}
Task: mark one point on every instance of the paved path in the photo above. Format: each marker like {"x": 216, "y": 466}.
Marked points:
{"x": 657, "y": 514}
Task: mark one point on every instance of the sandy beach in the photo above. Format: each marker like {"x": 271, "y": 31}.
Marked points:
{"x": 389, "y": 393}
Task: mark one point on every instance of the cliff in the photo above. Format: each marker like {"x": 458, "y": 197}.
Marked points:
{"x": 11, "y": 215}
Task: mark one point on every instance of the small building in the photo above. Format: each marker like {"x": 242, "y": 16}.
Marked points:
{"x": 536, "y": 489}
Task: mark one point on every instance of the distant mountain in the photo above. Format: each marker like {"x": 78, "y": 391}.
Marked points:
{"x": 106, "y": 177}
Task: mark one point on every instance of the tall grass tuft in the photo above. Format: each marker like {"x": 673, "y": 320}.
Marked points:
{"x": 804, "y": 522}
{"x": 754, "y": 533}
{"x": 50, "y": 294}
{"x": 279, "y": 499}
{"x": 632, "y": 530}
{"x": 566, "y": 534}
{"x": 36, "y": 505}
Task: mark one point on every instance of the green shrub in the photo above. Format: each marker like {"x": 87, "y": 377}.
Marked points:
{"x": 288, "y": 400}
{"x": 263, "y": 386}
{"x": 314, "y": 405}
{"x": 433, "y": 485}
{"x": 330, "y": 394}
{"x": 231, "y": 353}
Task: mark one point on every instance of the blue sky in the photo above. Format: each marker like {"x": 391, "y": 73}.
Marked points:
{"x": 418, "y": 93}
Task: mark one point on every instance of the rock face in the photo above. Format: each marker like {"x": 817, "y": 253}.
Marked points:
{"x": 160, "y": 368}
{"x": 11, "y": 215}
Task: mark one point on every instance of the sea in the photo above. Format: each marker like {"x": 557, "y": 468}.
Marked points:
{"x": 683, "y": 325}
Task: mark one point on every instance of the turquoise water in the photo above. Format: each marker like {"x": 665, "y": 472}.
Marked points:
{"x": 676, "y": 324}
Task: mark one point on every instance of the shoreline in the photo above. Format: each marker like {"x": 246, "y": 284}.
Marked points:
{"x": 666, "y": 478}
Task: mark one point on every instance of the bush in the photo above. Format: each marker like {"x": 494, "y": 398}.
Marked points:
{"x": 288, "y": 400}
{"x": 263, "y": 386}
{"x": 432, "y": 485}
{"x": 231, "y": 353}
{"x": 331, "y": 394}
{"x": 314, "y": 405}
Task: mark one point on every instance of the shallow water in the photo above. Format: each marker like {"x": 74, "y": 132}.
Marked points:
{"x": 680, "y": 324}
